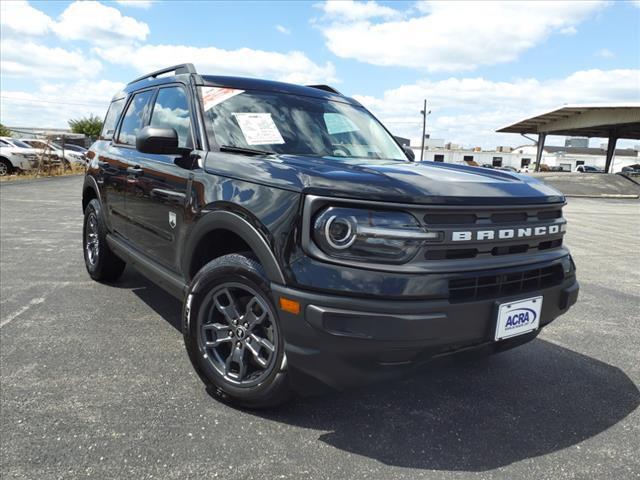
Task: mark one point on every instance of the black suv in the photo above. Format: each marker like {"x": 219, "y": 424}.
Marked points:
{"x": 308, "y": 247}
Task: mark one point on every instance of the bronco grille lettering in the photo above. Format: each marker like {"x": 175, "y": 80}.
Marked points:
{"x": 506, "y": 233}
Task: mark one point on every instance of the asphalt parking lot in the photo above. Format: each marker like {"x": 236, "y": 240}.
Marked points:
{"x": 95, "y": 381}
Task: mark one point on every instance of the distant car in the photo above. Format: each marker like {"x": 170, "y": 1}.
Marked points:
{"x": 74, "y": 154}
{"x": 71, "y": 156}
{"x": 15, "y": 157}
{"x": 631, "y": 169}
{"x": 587, "y": 169}
{"x": 506, "y": 168}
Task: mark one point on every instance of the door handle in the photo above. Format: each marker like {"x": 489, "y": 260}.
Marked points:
{"x": 136, "y": 170}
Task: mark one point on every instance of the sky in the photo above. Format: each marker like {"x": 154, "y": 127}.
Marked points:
{"x": 480, "y": 65}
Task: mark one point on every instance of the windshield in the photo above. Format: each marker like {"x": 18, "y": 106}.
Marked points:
{"x": 20, "y": 144}
{"x": 75, "y": 148}
{"x": 295, "y": 125}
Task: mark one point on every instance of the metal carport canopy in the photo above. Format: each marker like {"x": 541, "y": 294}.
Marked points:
{"x": 612, "y": 121}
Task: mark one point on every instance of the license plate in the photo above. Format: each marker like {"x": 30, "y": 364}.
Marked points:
{"x": 519, "y": 317}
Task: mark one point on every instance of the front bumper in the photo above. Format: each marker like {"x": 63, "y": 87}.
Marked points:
{"x": 344, "y": 341}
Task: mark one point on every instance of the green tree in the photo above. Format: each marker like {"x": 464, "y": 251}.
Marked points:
{"x": 91, "y": 126}
{"x": 4, "y": 131}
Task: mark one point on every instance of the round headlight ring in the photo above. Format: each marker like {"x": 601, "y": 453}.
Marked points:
{"x": 347, "y": 235}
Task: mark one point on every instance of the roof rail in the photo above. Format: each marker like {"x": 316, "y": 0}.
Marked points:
{"x": 178, "y": 69}
{"x": 326, "y": 88}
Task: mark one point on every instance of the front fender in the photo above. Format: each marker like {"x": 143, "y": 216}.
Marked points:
{"x": 225, "y": 220}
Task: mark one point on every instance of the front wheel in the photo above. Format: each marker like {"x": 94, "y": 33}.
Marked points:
{"x": 232, "y": 333}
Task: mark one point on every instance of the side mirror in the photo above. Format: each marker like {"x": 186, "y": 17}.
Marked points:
{"x": 157, "y": 140}
{"x": 409, "y": 153}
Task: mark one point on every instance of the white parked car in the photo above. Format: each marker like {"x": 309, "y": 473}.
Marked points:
{"x": 71, "y": 156}
{"x": 15, "y": 155}
{"x": 587, "y": 169}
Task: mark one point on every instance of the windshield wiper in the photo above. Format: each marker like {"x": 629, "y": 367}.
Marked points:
{"x": 248, "y": 151}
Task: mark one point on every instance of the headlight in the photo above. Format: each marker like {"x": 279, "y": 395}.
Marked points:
{"x": 370, "y": 235}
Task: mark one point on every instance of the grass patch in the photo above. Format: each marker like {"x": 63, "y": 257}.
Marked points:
{"x": 45, "y": 173}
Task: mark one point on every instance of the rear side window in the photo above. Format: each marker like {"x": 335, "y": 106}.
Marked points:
{"x": 37, "y": 144}
{"x": 110, "y": 121}
{"x": 134, "y": 117}
{"x": 171, "y": 110}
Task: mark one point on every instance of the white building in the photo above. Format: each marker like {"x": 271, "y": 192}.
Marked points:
{"x": 523, "y": 157}
{"x": 568, "y": 158}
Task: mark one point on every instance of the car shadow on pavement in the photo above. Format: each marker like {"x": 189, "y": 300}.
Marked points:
{"x": 165, "y": 305}
{"x": 528, "y": 402}
{"x": 475, "y": 416}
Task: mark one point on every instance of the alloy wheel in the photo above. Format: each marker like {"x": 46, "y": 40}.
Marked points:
{"x": 238, "y": 334}
{"x": 92, "y": 243}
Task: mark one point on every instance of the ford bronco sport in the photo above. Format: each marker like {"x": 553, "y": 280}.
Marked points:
{"x": 307, "y": 246}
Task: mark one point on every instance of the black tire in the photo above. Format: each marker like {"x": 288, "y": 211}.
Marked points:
{"x": 239, "y": 281}
{"x": 5, "y": 167}
{"x": 102, "y": 264}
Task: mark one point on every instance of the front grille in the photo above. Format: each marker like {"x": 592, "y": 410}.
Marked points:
{"x": 509, "y": 217}
{"x": 450, "y": 218}
{"x": 454, "y": 253}
{"x": 504, "y": 224}
{"x": 485, "y": 287}
{"x": 488, "y": 216}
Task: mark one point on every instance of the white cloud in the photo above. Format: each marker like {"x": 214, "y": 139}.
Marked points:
{"x": 52, "y": 104}
{"x": 468, "y": 110}
{"x": 283, "y": 29}
{"x": 100, "y": 24}
{"x": 20, "y": 59}
{"x": 144, "y": 4}
{"x": 448, "y": 36}
{"x": 570, "y": 30}
{"x": 293, "y": 66}
{"x": 605, "y": 53}
{"x": 88, "y": 21}
{"x": 18, "y": 17}
{"x": 352, "y": 10}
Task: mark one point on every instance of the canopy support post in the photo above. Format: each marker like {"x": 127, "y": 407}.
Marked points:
{"x": 611, "y": 150}
{"x": 541, "y": 138}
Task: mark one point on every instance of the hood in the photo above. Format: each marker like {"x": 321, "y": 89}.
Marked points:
{"x": 389, "y": 181}
{"x": 24, "y": 151}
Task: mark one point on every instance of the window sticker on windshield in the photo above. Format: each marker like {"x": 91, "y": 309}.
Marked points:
{"x": 338, "y": 123}
{"x": 212, "y": 96}
{"x": 259, "y": 128}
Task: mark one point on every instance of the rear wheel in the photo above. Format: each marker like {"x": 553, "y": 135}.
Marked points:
{"x": 102, "y": 264}
{"x": 232, "y": 333}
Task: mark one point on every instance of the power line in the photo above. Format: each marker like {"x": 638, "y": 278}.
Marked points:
{"x": 52, "y": 101}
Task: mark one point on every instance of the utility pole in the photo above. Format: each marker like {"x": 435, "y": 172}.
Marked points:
{"x": 424, "y": 125}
